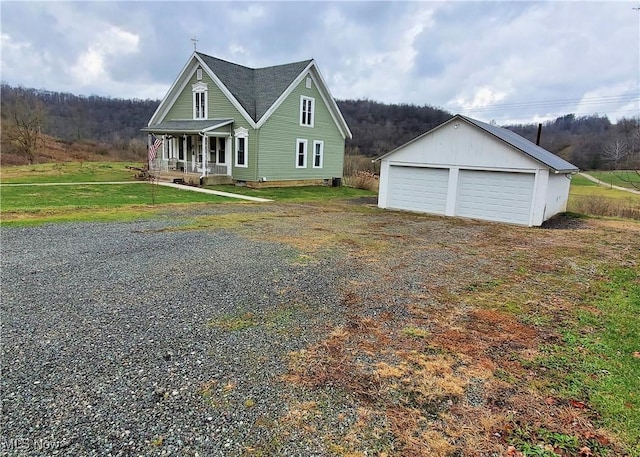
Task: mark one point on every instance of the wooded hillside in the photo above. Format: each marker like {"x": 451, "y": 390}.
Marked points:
{"x": 111, "y": 127}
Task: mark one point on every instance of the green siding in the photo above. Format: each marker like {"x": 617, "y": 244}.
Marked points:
{"x": 278, "y": 135}
{"x": 220, "y": 107}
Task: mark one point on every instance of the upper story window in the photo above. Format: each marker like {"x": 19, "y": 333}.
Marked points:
{"x": 307, "y": 108}
{"x": 200, "y": 101}
{"x": 242, "y": 147}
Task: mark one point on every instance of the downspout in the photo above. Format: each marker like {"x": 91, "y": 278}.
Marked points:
{"x": 257, "y": 141}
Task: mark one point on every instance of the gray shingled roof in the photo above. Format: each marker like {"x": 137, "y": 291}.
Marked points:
{"x": 186, "y": 126}
{"x": 531, "y": 149}
{"x": 255, "y": 89}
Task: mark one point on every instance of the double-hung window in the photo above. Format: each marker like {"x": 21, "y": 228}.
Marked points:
{"x": 301, "y": 153}
{"x": 307, "y": 108}
{"x": 318, "y": 152}
{"x": 200, "y": 103}
{"x": 242, "y": 147}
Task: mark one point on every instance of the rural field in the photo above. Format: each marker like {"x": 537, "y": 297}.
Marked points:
{"x": 313, "y": 325}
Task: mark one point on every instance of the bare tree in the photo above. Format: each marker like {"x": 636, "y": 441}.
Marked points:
{"x": 26, "y": 115}
{"x": 615, "y": 151}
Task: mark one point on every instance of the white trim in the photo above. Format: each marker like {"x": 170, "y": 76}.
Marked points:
{"x": 283, "y": 96}
{"x": 330, "y": 101}
{"x": 172, "y": 94}
{"x": 189, "y": 69}
{"x": 241, "y": 133}
{"x": 300, "y": 141}
{"x": 199, "y": 74}
{"x": 180, "y": 83}
{"x": 317, "y": 143}
{"x": 200, "y": 90}
{"x": 217, "y": 126}
{"x": 311, "y": 70}
{"x": 310, "y": 112}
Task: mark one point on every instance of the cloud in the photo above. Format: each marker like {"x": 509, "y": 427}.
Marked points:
{"x": 91, "y": 67}
{"x": 494, "y": 60}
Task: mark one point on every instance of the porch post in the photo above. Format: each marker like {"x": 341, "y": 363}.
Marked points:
{"x": 228, "y": 155}
{"x": 165, "y": 153}
{"x": 204, "y": 155}
{"x": 193, "y": 156}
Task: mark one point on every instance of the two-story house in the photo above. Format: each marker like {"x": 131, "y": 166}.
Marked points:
{"x": 265, "y": 126}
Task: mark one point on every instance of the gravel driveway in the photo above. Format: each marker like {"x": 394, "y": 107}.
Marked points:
{"x": 179, "y": 335}
{"x": 140, "y": 339}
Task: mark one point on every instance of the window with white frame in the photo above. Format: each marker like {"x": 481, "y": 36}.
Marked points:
{"x": 301, "y": 153}
{"x": 318, "y": 152}
{"x": 200, "y": 102}
{"x": 307, "y": 107}
{"x": 242, "y": 147}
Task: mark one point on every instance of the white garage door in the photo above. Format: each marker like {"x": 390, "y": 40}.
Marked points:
{"x": 495, "y": 196}
{"x": 418, "y": 189}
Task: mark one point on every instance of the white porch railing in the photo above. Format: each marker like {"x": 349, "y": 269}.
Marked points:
{"x": 166, "y": 165}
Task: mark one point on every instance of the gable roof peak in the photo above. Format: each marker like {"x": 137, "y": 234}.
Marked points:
{"x": 207, "y": 56}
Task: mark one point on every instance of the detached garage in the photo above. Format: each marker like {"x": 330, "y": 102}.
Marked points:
{"x": 467, "y": 168}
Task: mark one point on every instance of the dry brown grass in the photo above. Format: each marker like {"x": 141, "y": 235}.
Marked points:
{"x": 363, "y": 180}
{"x": 602, "y": 206}
{"x": 482, "y": 312}
{"x": 441, "y": 367}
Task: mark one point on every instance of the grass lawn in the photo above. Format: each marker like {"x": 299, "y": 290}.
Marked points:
{"x": 33, "y": 204}
{"x": 292, "y": 194}
{"x": 622, "y": 178}
{"x": 39, "y": 204}
{"x": 69, "y": 172}
{"x": 587, "y": 197}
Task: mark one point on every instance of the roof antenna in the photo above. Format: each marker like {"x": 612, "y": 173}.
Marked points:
{"x": 195, "y": 42}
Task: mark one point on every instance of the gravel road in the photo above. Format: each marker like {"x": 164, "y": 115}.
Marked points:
{"x": 106, "y": 347}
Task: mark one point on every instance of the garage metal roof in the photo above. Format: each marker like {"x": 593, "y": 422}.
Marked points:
{"x": 536, "y": 152}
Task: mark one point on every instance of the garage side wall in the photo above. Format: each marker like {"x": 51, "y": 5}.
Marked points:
{"x": 557, "y": 194}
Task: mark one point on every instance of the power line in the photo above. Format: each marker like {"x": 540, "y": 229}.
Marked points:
{"x": 600, "y": 100}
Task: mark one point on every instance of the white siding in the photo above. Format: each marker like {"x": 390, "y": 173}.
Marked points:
{"x": 557, "y": 194}
{"x": 418, "y": 189}
{"x": 485, "y": 178}
{"x": 495, "y": 196}
{"x": 465, "y": 146}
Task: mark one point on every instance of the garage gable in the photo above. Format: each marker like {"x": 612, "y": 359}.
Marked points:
{"x": 460, "y": 143}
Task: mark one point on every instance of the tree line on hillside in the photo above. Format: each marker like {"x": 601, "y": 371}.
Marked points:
{"x": 589, "y": 142}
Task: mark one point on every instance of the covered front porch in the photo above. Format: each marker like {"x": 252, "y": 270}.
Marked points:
{"x": 197, "y": 148}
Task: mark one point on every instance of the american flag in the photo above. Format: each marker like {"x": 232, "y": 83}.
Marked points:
{"x": 153, "y": 148}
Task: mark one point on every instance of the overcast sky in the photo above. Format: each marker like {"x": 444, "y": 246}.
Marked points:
{"x": 502, "y": 61}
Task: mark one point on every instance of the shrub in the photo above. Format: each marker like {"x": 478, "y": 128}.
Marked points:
{"x": 602, "y": 206}
{"x": 363, "y": 180}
